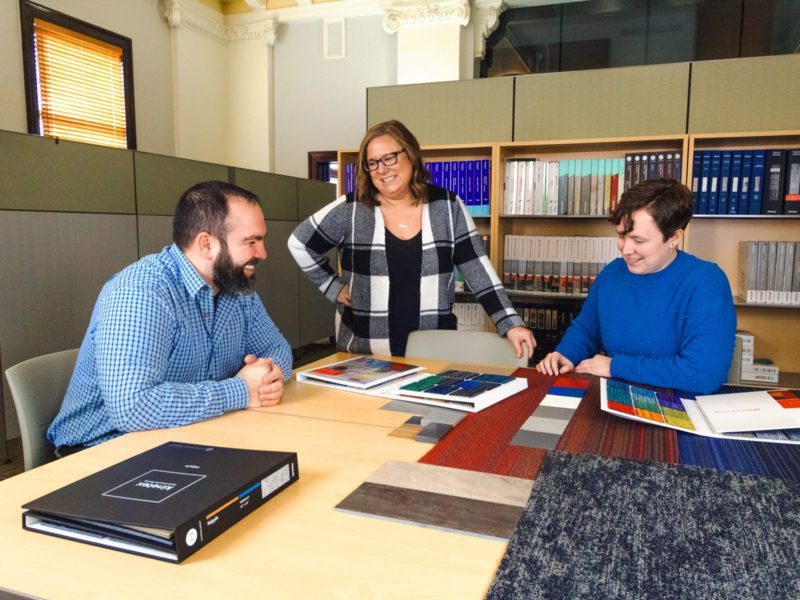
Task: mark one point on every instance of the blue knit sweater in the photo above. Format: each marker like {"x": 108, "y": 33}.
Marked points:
{"x": 674, "y": 328}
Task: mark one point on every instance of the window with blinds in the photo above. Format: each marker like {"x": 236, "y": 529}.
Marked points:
{"x": 78, "y": 80}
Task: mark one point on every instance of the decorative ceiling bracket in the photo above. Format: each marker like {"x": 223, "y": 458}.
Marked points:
{"x": 180, "y": 13}
{"x": 485, "y": 18}
{"x": 404, "y": 13}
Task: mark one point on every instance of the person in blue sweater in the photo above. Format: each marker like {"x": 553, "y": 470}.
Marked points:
{"x": 657, "y": 315}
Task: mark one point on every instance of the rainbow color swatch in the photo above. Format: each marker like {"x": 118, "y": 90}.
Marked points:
{"x": 648, "y": 405}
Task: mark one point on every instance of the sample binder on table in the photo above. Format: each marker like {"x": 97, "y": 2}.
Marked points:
{"x": 761, "y": 415}
{"x": 165, "y": 503}
{"x": 363, "y": 374}
{"x": 461, "y": 390}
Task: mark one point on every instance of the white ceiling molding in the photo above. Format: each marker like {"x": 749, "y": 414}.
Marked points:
{"x": 305, "y": 11}
{"x": 404, "y": 13}
{"x": 199, "y": 18}
{"x": 257, "y": 5}
{"x": 485, "y": 18}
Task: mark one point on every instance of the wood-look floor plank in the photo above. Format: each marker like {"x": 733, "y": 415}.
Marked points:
{"x": 434, "y": 510}
{"x": 487, "y": 487}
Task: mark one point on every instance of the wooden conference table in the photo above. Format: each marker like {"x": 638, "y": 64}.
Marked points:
{"x": 296, "y": 546}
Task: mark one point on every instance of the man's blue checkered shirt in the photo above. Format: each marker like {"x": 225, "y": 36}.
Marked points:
{"x": 159, "y": 353}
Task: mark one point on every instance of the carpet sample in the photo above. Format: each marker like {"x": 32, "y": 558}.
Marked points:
{"x": 482, "y": 440}
{"x": 611, "y": 528}
{"x": 440, "y": 497}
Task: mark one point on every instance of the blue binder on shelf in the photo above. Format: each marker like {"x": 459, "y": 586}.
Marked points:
{"x": 705, "y": 183}
{"x": 757, "y": 182}
{"x": 713, "y": 182}
{"x": 744, "y": 182}
{"x": 724, "y": 183}
{"x": 734, "y": 182}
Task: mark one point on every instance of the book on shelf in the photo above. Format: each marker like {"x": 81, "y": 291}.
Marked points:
{"x": 361, "y": 374}
{"x": 760, "y": 370}
{"x": 470, "y": 391}
{"x": 748, "y": 271}
{"x": 768, "y": 272}
{"x": 549, "y": 321}
{"x": 792, "y": 196}
{"x": 735, "y": 180}
{"x": 561, "y": 265}
{"x": 705, "y": 183}
{"x": 713, "y": 183}
{"x": 697, "y": 165}
{"x": 724, "y": 183}
{"x": 744, "y": 183}
{"x": 751, "y": 182}
{"x": 758, "y": 416}
{"x": 165, "y": 503}
{"x": 774, "y": 182}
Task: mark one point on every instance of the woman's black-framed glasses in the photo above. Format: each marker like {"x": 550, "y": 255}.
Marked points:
{"x": 388, "y": 160}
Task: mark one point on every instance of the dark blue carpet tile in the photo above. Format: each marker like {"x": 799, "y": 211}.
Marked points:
{"x": 613, "y": 528}
{"x": 755, "y": 458}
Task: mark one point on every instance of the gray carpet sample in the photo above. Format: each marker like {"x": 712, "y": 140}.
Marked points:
{"x": 612, "y": 528}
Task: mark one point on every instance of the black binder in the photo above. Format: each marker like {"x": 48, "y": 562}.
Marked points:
{"x": 165, "y": 503}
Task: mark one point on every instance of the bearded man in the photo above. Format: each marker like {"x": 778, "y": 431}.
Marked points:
{"x": 179, "y": 336}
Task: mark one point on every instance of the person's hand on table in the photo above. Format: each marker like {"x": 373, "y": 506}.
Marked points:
{"x": 555, "y": 363}
{"x": 599, "y": 365}
{"x": 264, "y": 381}
{"x": 519, "y": 335}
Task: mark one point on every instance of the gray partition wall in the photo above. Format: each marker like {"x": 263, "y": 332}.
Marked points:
{"x": 72, "y": 215}
{"x": 277, "y": 277}
{"x": 745, "y": 94}
{"x": 453, "y": 112}
{"x": 316, "y": 311}
{"x": 628, "y": 101}
{"x": 67, "y": 221}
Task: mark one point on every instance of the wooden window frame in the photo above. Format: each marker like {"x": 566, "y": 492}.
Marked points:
{"x": 28, "y": 12}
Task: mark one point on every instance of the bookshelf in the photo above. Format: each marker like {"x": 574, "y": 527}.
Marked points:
{"x": 717, "y": 237}
{"x": 711, "y": 237}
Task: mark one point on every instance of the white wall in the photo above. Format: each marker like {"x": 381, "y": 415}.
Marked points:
{"x": 322, "y": 104}
{"x": 141, "y": 21}
{"x": 200, "y": 67}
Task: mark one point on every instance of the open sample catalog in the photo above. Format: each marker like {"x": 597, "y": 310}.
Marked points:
{"x": 761, "y": 415}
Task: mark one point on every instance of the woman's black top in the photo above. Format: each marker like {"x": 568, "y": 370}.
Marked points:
{"x": 404, "y": 258}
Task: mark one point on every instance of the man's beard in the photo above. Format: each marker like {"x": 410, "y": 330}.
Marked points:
{"x": 229, "y": 277}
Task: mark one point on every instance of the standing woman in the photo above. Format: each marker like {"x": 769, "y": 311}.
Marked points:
{"x": 399, "y": 239}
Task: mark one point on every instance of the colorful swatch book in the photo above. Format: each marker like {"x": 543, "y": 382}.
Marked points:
{"x": 778, "y": 408}
{"x": 461, "y": 390}
{"x": 362, "y": 374}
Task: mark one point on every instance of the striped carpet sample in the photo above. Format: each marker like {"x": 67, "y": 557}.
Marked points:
{"x": 482, "y": 440}
{"x": 549, "y": 420}
{"x": 441, "y": 497}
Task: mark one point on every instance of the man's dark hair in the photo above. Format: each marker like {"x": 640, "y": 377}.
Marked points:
{"x": 204, "y": 207}
{"x": 668, "y": 201}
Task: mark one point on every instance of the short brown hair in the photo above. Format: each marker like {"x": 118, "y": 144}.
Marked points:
{"x": 204, "y": 207}
{"x": 668, "y": 201}
{"x": 366, "y": 191}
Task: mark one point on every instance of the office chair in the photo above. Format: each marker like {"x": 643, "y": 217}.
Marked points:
{"x": 472, "y": 347}
{"x": 38, "y": 386}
